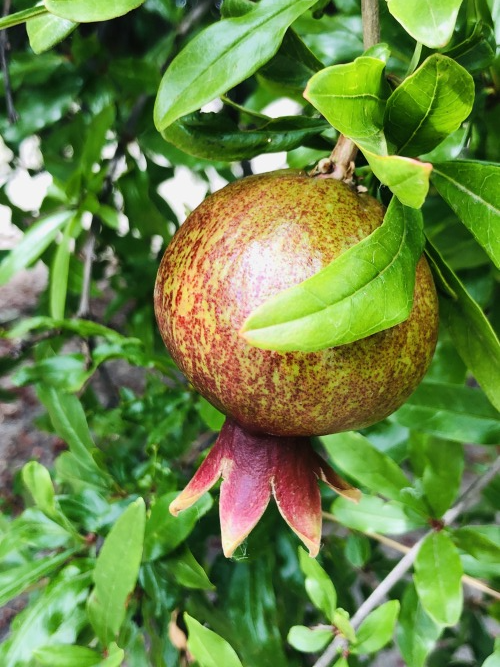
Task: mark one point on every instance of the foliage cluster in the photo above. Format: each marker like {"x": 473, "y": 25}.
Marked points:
{"x": 107, "y": 575}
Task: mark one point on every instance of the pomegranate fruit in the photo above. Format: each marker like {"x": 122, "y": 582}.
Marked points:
{"x": 242, "y": 245}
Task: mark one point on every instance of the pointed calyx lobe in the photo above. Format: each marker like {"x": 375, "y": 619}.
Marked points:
{"x": 252, "y": 468}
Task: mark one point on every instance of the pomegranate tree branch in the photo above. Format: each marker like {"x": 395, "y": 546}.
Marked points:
{"x": 371, "y": 23}
{"x": 398, "y": 572}
{"x": 4, "y": 45}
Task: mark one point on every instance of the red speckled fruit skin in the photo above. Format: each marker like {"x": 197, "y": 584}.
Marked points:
{"x": 249, "y": 241}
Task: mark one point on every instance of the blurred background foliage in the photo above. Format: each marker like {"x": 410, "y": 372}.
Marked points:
{"x": 100, "y": 572}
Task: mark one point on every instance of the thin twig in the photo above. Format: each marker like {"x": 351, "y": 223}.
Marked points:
{"x": 398, "y": 572}
{"x": 371, "y": 23}
{"x": 4, "y": 46}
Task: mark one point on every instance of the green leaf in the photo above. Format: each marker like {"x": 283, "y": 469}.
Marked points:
{"x": 55, "y": 616}
{"x": 15, "y": 580}
{"x": 188, "y": 572}
{"x": 88, "y": 11}
{"x": 472, "y": 541}
{"x": 34, "y": 242}
{"x": 67, "y": 656}
{"x": 373, "y": 515}
{"x": 438, "y": 579}
{"x": 223, "y": 55}
{"x": 46, "y": 31}
{"x": 472, "y": 190}
{"x": 69, "y": 421}
{"x": 408, "y": 179}
{"x": 442, "y": 473}
{"x": 60, "y": 269}
{"x": 210, "y": 415}
{"x": 165, "y": 532}
{"x": 429, "y": 22}
{"x": 416, "y": 633}
{"x": 116, "y": 572}
{"x": 319, "y": 586}
{"x": 216, "y": 136}
{"x": 366, "y": 289}
{"x": 358, "y": 458}
{"x": 377, "y": 629}
{"x": 309, "y": 640}
{"x": 208, "y": 648}
{"x": 352, "y": 98}
{"x": 429, "y": 105}
{"x": 471, "y": 333}
{"x": 37, "y": 480}
{"x": 493, "y": 660}
{"x": 452, "y": 412}
{"x": 96, "y": 139}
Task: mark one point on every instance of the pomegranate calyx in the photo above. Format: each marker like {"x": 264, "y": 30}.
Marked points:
{"x": 252, "y": 468}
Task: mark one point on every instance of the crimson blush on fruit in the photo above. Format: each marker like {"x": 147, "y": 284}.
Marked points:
{"x": 242, "y": 245}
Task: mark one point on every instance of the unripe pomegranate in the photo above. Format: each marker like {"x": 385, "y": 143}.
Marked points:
{"x": 242, "y": 245}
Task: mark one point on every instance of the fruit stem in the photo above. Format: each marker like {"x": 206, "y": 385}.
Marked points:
{"x": 340, "y": 165}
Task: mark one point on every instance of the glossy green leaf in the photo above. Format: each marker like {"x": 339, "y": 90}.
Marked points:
{"x": 96, "y": 139}
{"x": 349, "y": 299}
{"x": 408, "y": 179}
{"x": 46, "y": 31}
{"x": 358, "y": 458}
{"x": 377, "y": 629}
{"x": 188, "y": 572}
{"x": 165, "y": 532}
{"x": 309, "y": 640}
{"x": 472, "y": 541}
{"x": 472, "y": 334}
{"x": 207, "y": 647}
{"x": 352, "y": 98}
{"x": 472, "y": 189}
{"x": 462, "y": 414}
{"x": 438, "y": 579}
{"x": 442, "y": 473}
{"x": 429, "y": 21}
{"x": 37, "y": 480}
{"x": 217, "y": 137}
{"x": 70, "y": 423}
{"x": 34, "y": 242}
{"x": 493, "y": 660}
{"x": 60, "y": 269}
{"x": 319, "y": 586}
{"x": 56, "y": 616}
{"x": 344, "y": 626}
{"x": 416, "y": 633}
{"x": 223, "y": 55}
{"x": 428, "y": 106}
{"x": 357, "y": 549}
{"x": 373, "y": 515}
{"x": 116, "y": 571}
{"x": 88, "y": 11}
{"x": 81, "y": 327}
{"x": 210, "y": 415}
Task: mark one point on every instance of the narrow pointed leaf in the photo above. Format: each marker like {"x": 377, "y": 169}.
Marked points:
{"x": 15, "y": 580}
{"x": 46, "y": 31}
{"x": 116, "y": 571}
{"x": 34, "y": 242}
{"x": 319, "y": 586}
{"x": 472, "y": 334}
{"x": 429, "y": 105}
{"x": 88, "y": 11}
{"x": 478, "y": 545}
{"x": 377, "y": 629}
{"x": 438, "y": 579}
{"x": 218, "y": 137}
{"x": 188, "y": 572}
{"x": 442, "y": 474}
{"x": 73, "y": 656}
{"x": 358, "y": 458}
{"x": 352, "y": 98}
{"x": 60, "y": 270}
{"x": 427, "y": 21}
{"x": 366, "y": 289}
{"x": 208, "y": 648}
{"x": 472, "y": 190}
{"x": 223, "y": 55}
